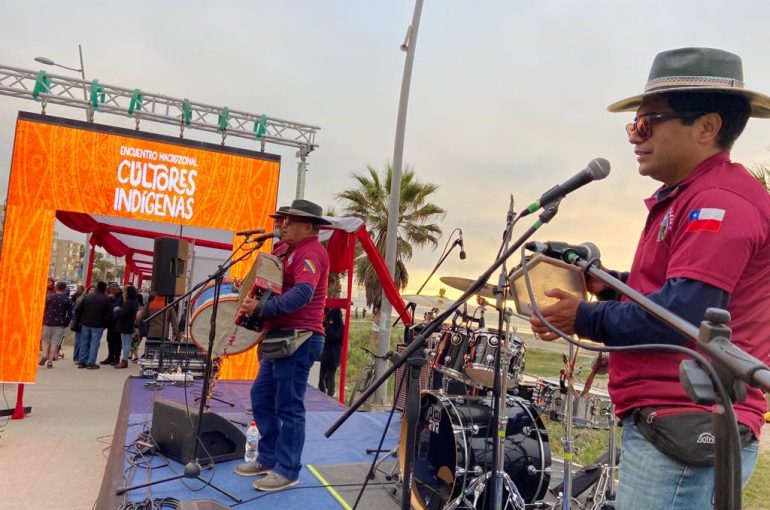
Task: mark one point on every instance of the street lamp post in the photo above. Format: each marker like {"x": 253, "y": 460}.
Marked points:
{"x": 82, "y": 71}
{"x": 391, "y": 236}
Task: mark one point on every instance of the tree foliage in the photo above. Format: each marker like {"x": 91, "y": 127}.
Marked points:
{"x": 369, "y": 200}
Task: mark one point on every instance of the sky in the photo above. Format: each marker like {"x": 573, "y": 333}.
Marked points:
{"x": 508, "y": 98}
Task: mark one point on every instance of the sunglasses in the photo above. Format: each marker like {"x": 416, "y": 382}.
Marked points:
{"x": 642, "y": 126}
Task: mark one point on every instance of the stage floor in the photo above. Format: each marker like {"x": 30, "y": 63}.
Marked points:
{"x": 345, "y": 448}
{"x": 333, "y": 471}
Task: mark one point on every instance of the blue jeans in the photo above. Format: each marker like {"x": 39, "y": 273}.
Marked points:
{"x": 277, "y": 398}
{"x": 76, "y": 351}
{"x": 651, "y": 480}
{"x": 89, "y": 348}
{"x": 125, "y": 340}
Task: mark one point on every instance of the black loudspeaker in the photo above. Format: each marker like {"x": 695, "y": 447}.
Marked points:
{"x": 174, "y": 433}
{"x": 425, "y": 373}
{"x": 169, "y": 263}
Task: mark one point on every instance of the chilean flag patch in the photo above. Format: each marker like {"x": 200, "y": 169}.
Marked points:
{"x": 705, "y": 220}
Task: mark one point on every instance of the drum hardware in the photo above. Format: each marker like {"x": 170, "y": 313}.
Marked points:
{"x": 602, "y": 497}
{"x": 457, "y": 453}
{"x": 415, "y": 356}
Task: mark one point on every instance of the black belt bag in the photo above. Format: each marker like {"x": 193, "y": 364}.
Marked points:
{"x": 685, "y": 436}
{"x": 282, "y": 343}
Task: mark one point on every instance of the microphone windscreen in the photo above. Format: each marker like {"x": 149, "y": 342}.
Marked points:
{"x": 599, "y": 168}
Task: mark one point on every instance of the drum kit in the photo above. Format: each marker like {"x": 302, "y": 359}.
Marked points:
{"x": 454, "y": 437}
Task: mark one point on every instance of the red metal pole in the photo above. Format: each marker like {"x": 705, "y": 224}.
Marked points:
{"x": 346, "y": 330}
{"x": 18, "y": 412}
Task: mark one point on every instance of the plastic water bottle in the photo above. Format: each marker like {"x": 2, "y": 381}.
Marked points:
{"x": 252, "y": 438}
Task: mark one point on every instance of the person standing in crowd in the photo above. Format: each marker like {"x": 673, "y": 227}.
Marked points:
{"x": 706, "y": 243}
{"x": 125, "y": 323}
{"x": 140, "y": 330}
{"x": 332, "y": 353}
{"x": 56, "y": 316}
{"x": 155, "y": 326}
{"x": 113, "y": 335}
{"x": 277, "y": 396}
{"x": 74, "y": 326}
{"x": 49, "y": 287}
{"x": 92, "y": 317}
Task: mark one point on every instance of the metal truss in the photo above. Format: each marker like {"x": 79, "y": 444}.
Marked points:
{"x": 95, "y": 97}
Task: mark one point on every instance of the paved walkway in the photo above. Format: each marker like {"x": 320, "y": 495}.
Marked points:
{"x": 55, "y": 457}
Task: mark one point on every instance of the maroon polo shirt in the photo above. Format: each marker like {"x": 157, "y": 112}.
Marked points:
{"x": 306, "y": 262}
{"x": 714, "y": 228}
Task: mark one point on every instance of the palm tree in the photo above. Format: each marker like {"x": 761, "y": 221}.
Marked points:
{"x": 762, "y": 173}
{"x": 103, "y": 268}
{"x": 370, "y": 200}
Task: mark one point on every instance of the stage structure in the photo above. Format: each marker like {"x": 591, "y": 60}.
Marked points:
{"x": 66, "y": 167}
{"x": 146, "y": 106}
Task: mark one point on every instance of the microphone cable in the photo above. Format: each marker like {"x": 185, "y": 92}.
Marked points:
{"x": 726, "y": 404}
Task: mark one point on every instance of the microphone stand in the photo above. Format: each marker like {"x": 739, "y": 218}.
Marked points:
{"x": 730, "y": 368}
{"x": 499, "y": 389}
{"x": 440, "y": 261}
{"x": 193, "y": 468}
{"x": 412, "y": 410}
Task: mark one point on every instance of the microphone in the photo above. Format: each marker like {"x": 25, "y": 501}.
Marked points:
{"x": 265, "y": 237}
{"x": 597, "y": 169}
{"x": 249, "y": 233}
{"x": 564, "y": 251}
{"x": 462, "y": 245}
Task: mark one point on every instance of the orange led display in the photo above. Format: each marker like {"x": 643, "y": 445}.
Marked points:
{"x": 61, "y": 164}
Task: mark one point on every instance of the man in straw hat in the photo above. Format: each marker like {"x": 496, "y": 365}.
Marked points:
{"x": 706, "y": 243}
{"x": 277, "y": 396}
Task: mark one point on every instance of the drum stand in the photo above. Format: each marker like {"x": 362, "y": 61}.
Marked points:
{"x": 603, "y": 495}
{"x": 498, "y": 477}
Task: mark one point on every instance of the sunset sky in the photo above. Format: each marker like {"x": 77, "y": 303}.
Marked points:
{"x": 508, "y": 97}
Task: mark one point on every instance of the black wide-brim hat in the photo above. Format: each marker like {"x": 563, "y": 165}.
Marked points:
{"x": 303, "y": 210}
{"x": 696, "y": 70}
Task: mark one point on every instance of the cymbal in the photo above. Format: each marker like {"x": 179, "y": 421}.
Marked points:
{"x": 439, "y": 302}
{"x": 459, "y": 283}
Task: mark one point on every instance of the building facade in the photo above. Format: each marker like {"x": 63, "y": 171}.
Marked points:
{"x": 66, "y": 260}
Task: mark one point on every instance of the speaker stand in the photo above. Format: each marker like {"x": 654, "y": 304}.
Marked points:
{"x": 193, "y": 468}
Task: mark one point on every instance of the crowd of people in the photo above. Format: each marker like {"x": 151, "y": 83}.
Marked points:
{"x": 88, "y": 313}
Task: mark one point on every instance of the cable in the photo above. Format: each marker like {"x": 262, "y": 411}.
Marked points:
{"x": 726, "y": 402}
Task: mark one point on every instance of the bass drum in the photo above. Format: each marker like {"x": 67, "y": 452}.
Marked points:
{"x": 455, "y": 435}
{"x": 229, "y": 339}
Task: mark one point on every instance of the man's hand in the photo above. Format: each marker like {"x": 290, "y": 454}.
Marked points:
{"x": 601, "y": 364}
{"x": 248, "y": 306}
{"x": 594, "y": 285}
{"x": 560, "y": 314}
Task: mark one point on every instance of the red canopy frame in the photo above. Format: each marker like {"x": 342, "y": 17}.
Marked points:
{"x": 341, "y": 248}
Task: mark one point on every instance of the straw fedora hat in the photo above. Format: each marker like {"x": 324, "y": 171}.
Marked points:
{"x": 696, "y": 70}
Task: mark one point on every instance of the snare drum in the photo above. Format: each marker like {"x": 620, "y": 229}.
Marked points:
{"x": 230, "y": 339}
{"x": 481, "y": 365}
{"x": 590, "y": 411}
{"x": 451, "y": 351}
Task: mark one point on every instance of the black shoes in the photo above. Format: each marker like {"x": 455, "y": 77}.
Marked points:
{"x": 92, "y": 366}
